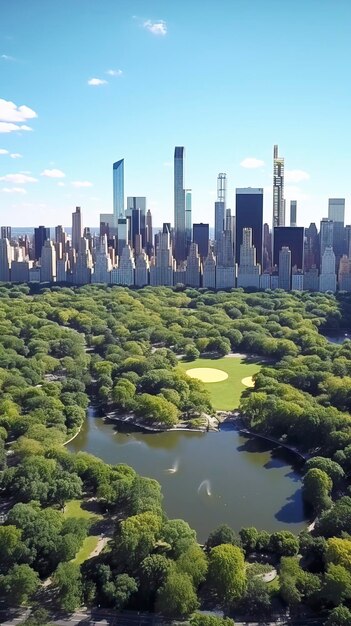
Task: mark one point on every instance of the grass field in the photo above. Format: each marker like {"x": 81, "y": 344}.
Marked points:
{"x": 73, "y": 508}
{"x": 225, "y": 394}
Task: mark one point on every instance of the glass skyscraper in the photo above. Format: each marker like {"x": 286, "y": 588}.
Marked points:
{"x": 179, "y": 204}
{"x": 249, "y": 214}
{"x": 118, "y": 189}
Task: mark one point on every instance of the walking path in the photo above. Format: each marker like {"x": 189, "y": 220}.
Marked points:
{"x": 247, "y": 431}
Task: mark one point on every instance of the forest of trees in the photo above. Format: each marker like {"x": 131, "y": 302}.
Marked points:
{"x": 59, "y": 345}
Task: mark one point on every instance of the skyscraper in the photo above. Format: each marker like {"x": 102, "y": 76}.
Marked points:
{"x": 326, "y": 236}
{"x": 41, "y": 234}
{"x": 5, "y": 232}
{"x": 5, "y": 259}
{"x": 292, "y": 238}
{"x": 327, "y": 279}
{"x": 336, "y": 209}
{"x": 284, "y": 271}
{"x": 220, "y": 206}
{"x": 336, "y": 213}
{"x": 118, "y": 189}
{"x": 179, "y": 205}
{"x": 249, "y": 214}
{"x": 188, "y": 218}
{"x": 278, "y": 189}
{"x": 48, "y": 262}
{"x": 267, "y": 249}
{"x": 248, "y": 270}
{"x": 201, "y": 238}
{"x": 293, "y": 212}
{"x": 77, "y": 228}
{"x": 138, "y": 202}
{"x": 149, "y": 240}
{"x": 311, "y": 247}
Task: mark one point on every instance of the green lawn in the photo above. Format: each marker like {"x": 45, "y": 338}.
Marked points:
{"x": 73, "y": 508}
{"x": 89, "y": 544}
{"x": 225, "y": 394}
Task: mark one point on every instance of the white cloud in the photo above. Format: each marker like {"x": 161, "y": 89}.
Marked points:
{"x": 16, "y": 155}
{"x": 114, "y": 72}
{"x": 81, "y": 183}
{"x": 95, "y": 82}
{"x": 156, "y": 28}
{"x": 54, "y": 173}
{"x": 292, "y": 192}
{"x": 296, "y": 176}
{"x": 3, "y": 151}
{"x": 18, "y": 179}
{"x": 251, "y": 163}
{"x": 167, "y": 164}
{"x": 14, "y": 190}
{"x": 7, "y": 57}
{"x": 10, "y": 112}
{"x": 9, "y": 127}
{"x": 60, "y": 184}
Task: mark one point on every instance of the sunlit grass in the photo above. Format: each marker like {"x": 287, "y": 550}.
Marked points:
{"x": 74, "y": 508}
{"x": 225, "y": 394}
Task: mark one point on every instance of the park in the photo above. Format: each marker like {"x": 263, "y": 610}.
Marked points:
{"x": 225, "y": 378}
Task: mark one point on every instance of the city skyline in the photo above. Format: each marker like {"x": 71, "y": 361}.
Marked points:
{"x": 134, "y": 92}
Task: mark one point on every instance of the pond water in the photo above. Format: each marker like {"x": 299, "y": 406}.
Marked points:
{"x": 207, "y": 479}
{"x": 338, "y": 337}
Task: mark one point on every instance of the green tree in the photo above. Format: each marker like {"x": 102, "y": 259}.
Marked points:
{"x": 338, "y": 551}
{"x": 68, "y": 581}
{"x": 177, "y": 597}
{"x": 125, "y": 586}
{"x": 210, "y": 620}
{"x": 337, "y": 584}
{"x": 316, "y": 489}
{"x": 20, "y": 584}
{"x": 136, "y": 537}
{"x": 222, "y": 534}
{"x": 284, "y": 543}
{"x": 248, "y": 538}
{"x": 193, "y": 562}
{"x": 340, "y": 616}
{"x": 178, "y": 535}
{"x": 11, "y": 546}
{"x": 257, "y": 600}
{"x": 226, "y": 573}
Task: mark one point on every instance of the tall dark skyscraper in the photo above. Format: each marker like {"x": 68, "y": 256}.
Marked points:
{"x": 249, "y": 214}
{"x": 278, "y": 189}
{"x": 201, "y": 237}
{"x": 41, "y": 234}
{"x": 179, "y": 204}
{"x": 292, "y": 238}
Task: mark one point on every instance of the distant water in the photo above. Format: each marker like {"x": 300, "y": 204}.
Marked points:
{"x": 17, "y": 231}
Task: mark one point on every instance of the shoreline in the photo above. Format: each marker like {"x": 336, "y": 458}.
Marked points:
{"x": 65, "y": 443}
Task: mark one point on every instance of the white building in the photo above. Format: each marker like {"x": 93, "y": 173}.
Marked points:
{"x": 48, "y": 262}
{"x": 124, "y": 273}
{"x": 327, "y": 279}
{"x": 248, "y": 270}
{"x": 209, "y": 273}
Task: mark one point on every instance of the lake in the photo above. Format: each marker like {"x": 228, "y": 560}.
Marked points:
{"x": 207, "y": 479}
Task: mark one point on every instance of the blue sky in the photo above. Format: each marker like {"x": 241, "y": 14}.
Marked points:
{"x": 227, "y": 79}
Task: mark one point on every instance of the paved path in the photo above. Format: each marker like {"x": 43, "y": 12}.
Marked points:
{"x": 105, "y": 617}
